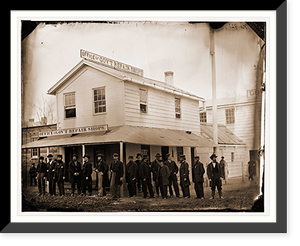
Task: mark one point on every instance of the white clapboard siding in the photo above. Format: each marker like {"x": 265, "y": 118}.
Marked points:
{"x": 160, "y": 110}
{"x": 82, "y": 85}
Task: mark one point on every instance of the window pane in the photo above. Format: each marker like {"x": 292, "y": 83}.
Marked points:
{"x": 143, "y": 108}
{"x": 96, "y": 110}
{"x": 143, "y": 95}
{"x": 70, "y": 112}
{"x": 104, "y": 109}
{"x": 95, "y": 98}
{"x": 177, "y": 102}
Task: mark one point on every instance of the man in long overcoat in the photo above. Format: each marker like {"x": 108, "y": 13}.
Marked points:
{"x": 75, "y": 174}
{"x": 139, "y": 158}
{"x": 50, "y": 174}
{"x": 252, "y": 169}
{"x": 184, "y": 177}
{"x": 87, "y": 169}
{"x": 197, "y": 174}
{"x": 117, "y": 172}
{"x": 163, "y": 175}
{"x": 60, "y": 175}
{"x": 145, "y": 175}
{"x": 173, "y": 175}
{"x": 131, "y": 176}
{"x": 101, "y": 170}
{"x": 215, "y": 175}
{"x": 41, "y": 175}
{"x": 154, "y": 165}
{"x": 33, "y": 173}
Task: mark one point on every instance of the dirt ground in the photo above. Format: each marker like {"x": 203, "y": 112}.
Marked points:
{"x": 238, "y": 196}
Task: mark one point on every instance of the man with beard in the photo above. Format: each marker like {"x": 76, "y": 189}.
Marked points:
{"x": 145, "y": 174}
{"x": 163, "y": 175}
{"x": 154, "y": 168}
{"x": 138, "y": 179}
{"x": 75, "y": 174}
{"x": 173, "y": 175}
{"x": 197, "y": 172}
{"x": 50, "y": 174}
{"x": 86, "y": 175}
{"x": 101, "y": 170}
{"x": 131, "y": 174}
{"x": 215, "y": 175}
{"x": 184, "y": 177}
{"x": 41, "y": 175}
{"x": 117, "y": 172}
{"x": 60, "y": 175}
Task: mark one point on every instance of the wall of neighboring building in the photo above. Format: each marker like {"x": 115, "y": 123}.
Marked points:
{"x": 82, "y": 83}
{"x": 160, "y": 110}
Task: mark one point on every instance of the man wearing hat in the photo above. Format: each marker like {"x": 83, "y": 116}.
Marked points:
{"x": 41, "y": 175}
{"x": 145, "y": 175}
{"x": 162, "y": 176}
{"x": 60, "y": 175}
{"x": 224, "y": 168}
{"x": 101, "y": 170}
{"x": 184, "y": 177}
{"x": 197, "y": 173}
{"x": 215, "y": 175}
{"x": 139, "y": 158}
{"x": 32, "y": 172}
{"x": 87, "y": 170}
{"x": 173, "y": 175}
{"x": 117, "y": 172}
{"x": 131, "y": 175}
{"x": 154, "y": 169}
{"x": 50, "y": 174}
{"x": 75, "y": 174}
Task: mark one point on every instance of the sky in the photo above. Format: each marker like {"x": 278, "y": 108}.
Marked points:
{"x": 50, "y": 51}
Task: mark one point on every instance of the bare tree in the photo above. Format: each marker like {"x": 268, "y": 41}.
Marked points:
{"x": 44, "y": 110}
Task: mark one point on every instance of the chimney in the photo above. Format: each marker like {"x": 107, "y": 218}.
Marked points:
{"x": 169, "y": 77}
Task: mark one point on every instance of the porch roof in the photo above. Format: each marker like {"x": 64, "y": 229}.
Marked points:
{"x": 126, "y": 134}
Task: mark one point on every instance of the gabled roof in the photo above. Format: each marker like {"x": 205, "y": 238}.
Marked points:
{"x": 225, "y": 136}
{"x": 122, "y": 75}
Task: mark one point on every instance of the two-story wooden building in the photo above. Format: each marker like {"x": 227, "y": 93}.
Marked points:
{"x": 105, "y": 106}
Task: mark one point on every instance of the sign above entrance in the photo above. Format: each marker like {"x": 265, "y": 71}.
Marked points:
{"x": 76, "y": 130}
{"x": 109, "y": 62}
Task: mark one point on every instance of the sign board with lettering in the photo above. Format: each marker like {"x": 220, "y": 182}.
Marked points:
{"x": 76, "y": 130}
{"x": 109, "y": 62}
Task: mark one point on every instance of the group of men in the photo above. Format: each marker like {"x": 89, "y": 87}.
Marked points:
{"x": 140, "y": 173}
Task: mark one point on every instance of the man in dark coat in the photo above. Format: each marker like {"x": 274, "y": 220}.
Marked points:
{"x": 173, "y": 175}
{"x": 252, "y": 169}
{"x": 101, "y": 170}
{"x": 145, "y": 174}
{"x": 131, "y": 175}
{"x": 163, "y": 175}
{"x": 60, "y": 175}
{"x": 87, "y": 169}
{"x": 33, "y": 173}
{"x": 184, "y": 177}
{"x": 138, "y": 178}
{"x": 41, "y": 175}
{"x": 197, "y": 173}
{"x": 75, "y": 174}
{"x": 154, "y": 169}
{"x": 117, "y": 172}
{"x": 50, "y": 174}
{"x": 215, "y": 175}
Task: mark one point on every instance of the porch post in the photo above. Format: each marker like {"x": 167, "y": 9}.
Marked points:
{"x": 121, "y": 159}
{"x": 83, "y": 151}
{"x": 47, "y": 183}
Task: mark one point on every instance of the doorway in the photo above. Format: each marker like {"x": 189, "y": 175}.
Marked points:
{"x": 164, "y": 152}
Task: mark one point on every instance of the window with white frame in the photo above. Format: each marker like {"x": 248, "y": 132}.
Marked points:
{"x": 143, "y": 100}
{"x": 99, "y": 103}
{"x": 70, "y": 105}
{"x": 230, "y": 116}
{"x": 177, "y": 108}
{"x": 203, "y": 117}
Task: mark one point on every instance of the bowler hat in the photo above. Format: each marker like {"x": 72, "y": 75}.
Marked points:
{"x": 116, "y": 155}
{"x": 182, "y": 156}
{"x": 138, "y": 154}
{"x": 213, "y": 155}
{"x": 50, "y": 155}
{"x": 145, "y": 156}
{"x": 41, "y": 158}
{"x": 222, "y": 157}
{"x": 196, "y": 157}
{"x": 100, "y": 154}
{"x": 158, "y": 155}
{"x": 130, "y": 157}
{"x": 87, "y": 156}
{"x": 59, "y": 156}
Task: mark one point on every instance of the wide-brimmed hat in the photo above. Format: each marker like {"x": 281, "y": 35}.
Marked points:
{"x": 87, "y": 156}
{"x": 182, "y": 156}
{"x": 59, "y": 156}
{"x": 213, "y": 155}
{"x": 50, "y": 155}
{"x": 41, "y": 158}
{"x": 115, "y": 155}
{"x": 138, "y": 154}
{"x": 100, "y": 154}
{"x": 158, "y": 155}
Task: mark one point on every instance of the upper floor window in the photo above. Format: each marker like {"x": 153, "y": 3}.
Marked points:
{"x": 143, "y": 100}
{"x": 203, "y": 117}
{"x": 177, "y": 108}
{"x": 99, "y": 103}
{"x": 70, "y": 105}
{"x": 230, "y": 116}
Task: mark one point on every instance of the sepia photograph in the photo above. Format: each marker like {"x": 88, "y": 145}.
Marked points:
{"x": 142, "y": 116}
